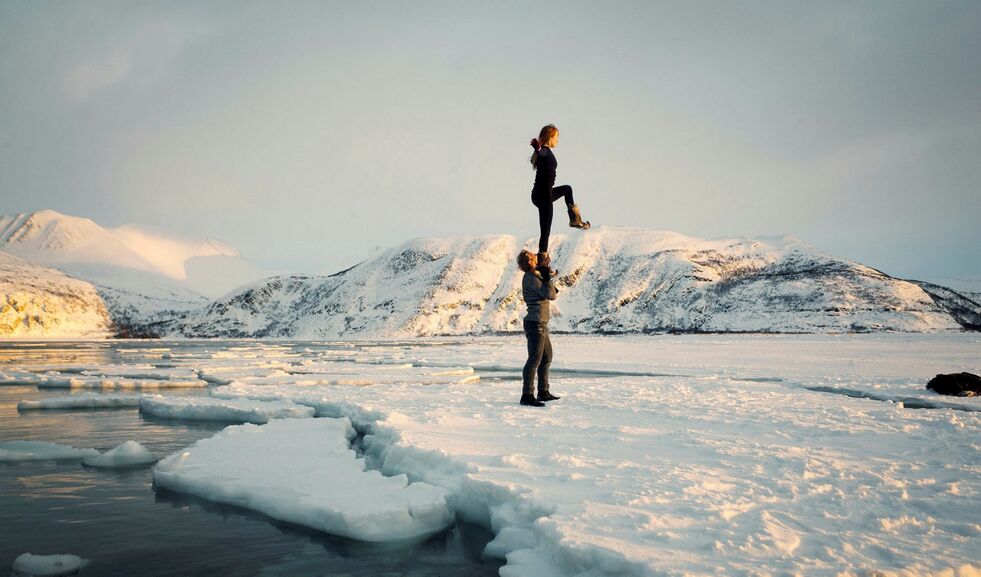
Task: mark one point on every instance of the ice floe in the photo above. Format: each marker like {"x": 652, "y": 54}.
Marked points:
{"x": 305, "y": 472}
{"x": 41, "y": 451}
{"x": 147, "y": 375}
{"x": 376, "y": 374}
{"x": 125, "y": 455}
{"x": 82, "y": 401}
{"x": 28, "y": 565}
{"x": 20, "y": 379}
{"x": 238, "y": 410}
{"x": 86, "y": 382}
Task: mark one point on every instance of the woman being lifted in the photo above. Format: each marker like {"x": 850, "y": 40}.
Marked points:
{"x": 544, "y": 193}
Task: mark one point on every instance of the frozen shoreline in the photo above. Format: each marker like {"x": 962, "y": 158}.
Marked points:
{"x": 687, "y": 455}
{"x": 726, "y": 466}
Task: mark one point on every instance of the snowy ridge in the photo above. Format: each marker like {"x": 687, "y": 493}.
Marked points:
{"x": 135, "y": 259}
{"x": 36, "y": 301}
{"x": 968, "y": 285}
{"x": 611, "y": 280}
{"x": 964, "y": 307}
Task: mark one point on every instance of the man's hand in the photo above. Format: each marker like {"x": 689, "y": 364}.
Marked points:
{"x": 545, "y": 269}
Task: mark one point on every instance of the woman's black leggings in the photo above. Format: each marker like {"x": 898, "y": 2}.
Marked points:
{"x": 543, "y": 199}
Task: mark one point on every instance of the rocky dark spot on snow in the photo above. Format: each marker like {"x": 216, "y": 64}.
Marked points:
{"x": 570, "y": 279}
{"x": 410, "y": 258}
{"x": 956, "y": 384}
{"x": 341, "y": 272}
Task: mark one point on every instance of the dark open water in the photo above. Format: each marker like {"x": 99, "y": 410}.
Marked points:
{"x": 119, "y": 522}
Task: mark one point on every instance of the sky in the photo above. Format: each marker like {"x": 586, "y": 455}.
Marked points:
{"x": 310, "y": 134}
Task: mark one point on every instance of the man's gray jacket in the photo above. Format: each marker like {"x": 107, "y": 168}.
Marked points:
{"x": 537, "y": 293}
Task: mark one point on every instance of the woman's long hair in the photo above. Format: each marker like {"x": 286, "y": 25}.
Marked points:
{"x": 544, "y": 137}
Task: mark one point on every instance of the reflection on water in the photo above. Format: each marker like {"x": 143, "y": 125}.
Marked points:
{"x": 116, "y": 519}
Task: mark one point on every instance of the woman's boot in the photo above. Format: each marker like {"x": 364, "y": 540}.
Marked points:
{"x": 542, "y": 259}
{"x": 575, "y": 219}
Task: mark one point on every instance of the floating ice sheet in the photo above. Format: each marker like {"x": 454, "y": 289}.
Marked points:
{"x": 304, "y": 472}
{"x": 147, "y": 375}
{"x": 85, "y": 382}
{"x": 128, "y": 454}
{"x": 28, "y": 565}
{"x": 215, "y": 409}
{"x": 82, "y": 401}
{"x": 360, "y": 374}
{"x": 41, "y": 451}
{"x": 19, "y": 379}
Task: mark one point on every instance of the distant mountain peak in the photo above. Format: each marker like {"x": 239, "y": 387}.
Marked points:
{"x": 131, "y": 257}
{"x": 46, "y": 230}
{"x": 611, "y": 280}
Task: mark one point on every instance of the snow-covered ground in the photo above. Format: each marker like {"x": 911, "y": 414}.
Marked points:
{"x": 667, "y": 455}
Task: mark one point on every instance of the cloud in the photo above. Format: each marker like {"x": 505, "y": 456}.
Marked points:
{"x": 139, "y": 58}
{"x": 88, "y": 78}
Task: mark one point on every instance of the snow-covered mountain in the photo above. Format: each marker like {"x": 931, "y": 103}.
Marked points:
{"x": 140, "y": 260}
{"x": 968, "y": 285}
{"x": 612, "y": 280}
{"x": 38, "y": 302}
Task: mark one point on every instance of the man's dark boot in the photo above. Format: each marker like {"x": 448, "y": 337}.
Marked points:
{"x": 531, "y": 401}
{"x": 547, "y": 396}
